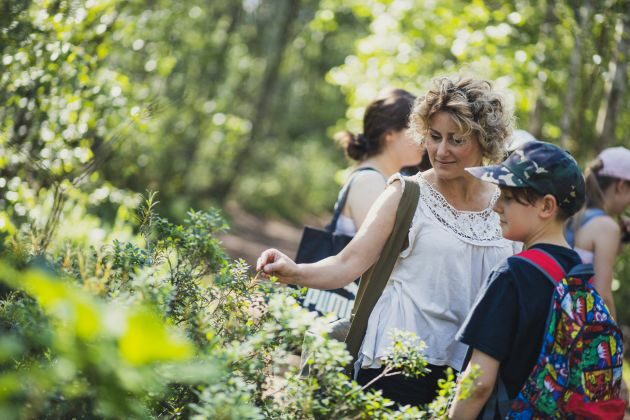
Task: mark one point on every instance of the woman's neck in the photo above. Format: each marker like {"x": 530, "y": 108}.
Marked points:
{"x": 463, "y": 193}
{"x": 382, "y": 163}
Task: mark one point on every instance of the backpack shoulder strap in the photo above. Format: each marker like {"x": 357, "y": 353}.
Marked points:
{"x": 343, "y": 196}
{"x": 544, "y": 262}
{"x": 374, "y": 280}
{"x": 582, "y": 270}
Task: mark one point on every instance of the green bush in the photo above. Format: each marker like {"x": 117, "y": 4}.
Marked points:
{"x": 166, "y": 326}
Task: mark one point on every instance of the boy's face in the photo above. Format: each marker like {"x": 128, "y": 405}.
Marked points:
{"x": 518, "y": 221}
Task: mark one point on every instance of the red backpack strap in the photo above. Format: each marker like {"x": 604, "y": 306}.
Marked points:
{"x": 544, "y": 262}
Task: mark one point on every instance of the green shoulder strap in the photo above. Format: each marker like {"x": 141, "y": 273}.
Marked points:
{"x": 373, "y": 281}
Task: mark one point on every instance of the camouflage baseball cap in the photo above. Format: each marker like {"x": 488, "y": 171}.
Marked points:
{"x": 545, "y": 168}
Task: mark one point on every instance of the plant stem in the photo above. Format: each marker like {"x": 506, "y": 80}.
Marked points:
{"x": 384, "y": 373}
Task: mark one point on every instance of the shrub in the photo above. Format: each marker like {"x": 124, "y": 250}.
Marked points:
{"x": 166, "y": 326}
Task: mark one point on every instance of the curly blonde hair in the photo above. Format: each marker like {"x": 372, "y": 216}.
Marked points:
{"x": 474, "y": 106}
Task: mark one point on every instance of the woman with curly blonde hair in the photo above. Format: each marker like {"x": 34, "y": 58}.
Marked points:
{"x": 454, "y": 240}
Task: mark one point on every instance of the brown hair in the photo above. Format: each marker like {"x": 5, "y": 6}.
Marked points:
{"x": 596, "y": 185}
{"x": 390, "y": 111}
{"x": 476, "y": 109}
{"x": 529, "y": 196}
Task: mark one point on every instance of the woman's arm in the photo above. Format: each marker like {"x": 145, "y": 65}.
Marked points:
{"x": 470, "y": 407}
{"x": 341, "y": 269}
{"x": 606, "y": 236}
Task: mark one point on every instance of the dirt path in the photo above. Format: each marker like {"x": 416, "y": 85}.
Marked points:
{"x": 250, "y": 234}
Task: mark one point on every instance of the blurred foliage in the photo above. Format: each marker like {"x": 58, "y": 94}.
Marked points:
{"x": 239, "y": 99}
{"x": 229, "y": 100}
{"x": 196, "y": 99}
{"x": 233, "y": 83}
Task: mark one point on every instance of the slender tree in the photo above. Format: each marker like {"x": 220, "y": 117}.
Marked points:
{"x": 612, "y": 102}
{"x": 581, "y": 13}
{"x": 283, "y": 36}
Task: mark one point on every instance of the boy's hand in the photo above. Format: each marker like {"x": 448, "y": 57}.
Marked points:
{"x": 274, "y": 263}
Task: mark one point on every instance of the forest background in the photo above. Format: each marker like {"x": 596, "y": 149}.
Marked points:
{"x": 223, "y": 101}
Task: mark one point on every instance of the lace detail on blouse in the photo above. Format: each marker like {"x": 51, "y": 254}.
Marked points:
{"x": 474, "y": 227}
{"x": 471, "y": 226}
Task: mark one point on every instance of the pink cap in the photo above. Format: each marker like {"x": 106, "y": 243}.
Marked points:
{"x": 616, "y": 163}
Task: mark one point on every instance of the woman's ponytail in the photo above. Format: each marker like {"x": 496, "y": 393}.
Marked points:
{"x": 390, "y": 111}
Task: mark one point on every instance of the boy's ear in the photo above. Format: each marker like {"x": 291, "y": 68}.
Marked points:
{"x": 549, "y": 206}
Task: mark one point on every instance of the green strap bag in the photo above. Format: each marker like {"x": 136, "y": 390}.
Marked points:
{"x": 374, "y": 280}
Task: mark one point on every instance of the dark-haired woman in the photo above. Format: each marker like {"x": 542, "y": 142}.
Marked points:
{"x": 384, "y": 148}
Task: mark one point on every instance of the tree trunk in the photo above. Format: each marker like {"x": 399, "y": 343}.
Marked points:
{"x": 222, "y": 187}
{"x": 536, "y": 119}
{"x": 590, "y": 97}
{"x": 581, "y": 14}
{"x": 214, "y": 78}
{"x": 611, "y": 106}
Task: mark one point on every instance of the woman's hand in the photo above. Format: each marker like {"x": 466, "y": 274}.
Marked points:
{"x": 274, "y": 263}
{"x": 341, "y": 269}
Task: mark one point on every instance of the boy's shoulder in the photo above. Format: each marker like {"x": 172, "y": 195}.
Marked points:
{"x": 517, "y": 265}
{"x": 502, "y": 273}
{"x": 511, "y": 265}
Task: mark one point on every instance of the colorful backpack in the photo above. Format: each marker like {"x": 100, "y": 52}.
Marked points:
{"x": 578, "y": 372}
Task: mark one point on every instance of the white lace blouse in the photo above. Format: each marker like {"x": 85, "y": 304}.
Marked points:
{"x": 436, "y": 279}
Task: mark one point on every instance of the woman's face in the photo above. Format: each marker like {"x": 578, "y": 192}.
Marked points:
{"x": 450, "y": 152}
{"x": 621, "y": 200}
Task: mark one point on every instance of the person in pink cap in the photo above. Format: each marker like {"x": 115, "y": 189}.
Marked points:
{"x": 596, "y": 232}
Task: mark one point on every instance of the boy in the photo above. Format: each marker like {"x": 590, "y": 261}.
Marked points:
{"x": 541, "y": 186}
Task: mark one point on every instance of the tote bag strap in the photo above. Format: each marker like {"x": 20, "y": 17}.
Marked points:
{"x": 343, "y": 196}
{"x": 374, "y": 280}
